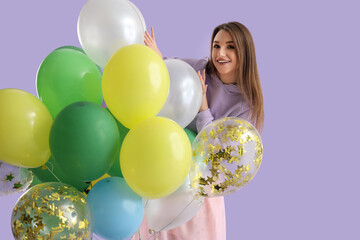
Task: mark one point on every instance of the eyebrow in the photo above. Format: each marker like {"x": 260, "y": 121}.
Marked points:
{"x": 226, "y": 42}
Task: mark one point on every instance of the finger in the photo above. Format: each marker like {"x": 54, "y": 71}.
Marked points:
{"x": 200, "y": 77}
{"x": 152, "y": 33}
{"x": 203, "y": 87}
{"x": 204, "y": 75}
{"x": 147, "y": 35}
{"x": 147, "y": 41}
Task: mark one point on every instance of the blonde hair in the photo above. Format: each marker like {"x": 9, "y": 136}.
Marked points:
{"x": 248, "y": 80}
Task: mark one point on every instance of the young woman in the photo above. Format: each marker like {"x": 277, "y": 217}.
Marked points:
{"x": 231, "y": 88}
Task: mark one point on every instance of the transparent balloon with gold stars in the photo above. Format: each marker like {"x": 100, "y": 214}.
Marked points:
{"x": 226, "y": 156}
{"x": 14, "y": 179}
{"x": 52, "y": 211}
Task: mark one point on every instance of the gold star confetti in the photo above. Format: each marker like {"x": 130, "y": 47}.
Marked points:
{"x": 49, "y": 188}
{"x": 54, "y": 197}
{"x": 210, "y": 180}
{"x": 81, "y": 225}
{"x": 213, "y": 134}
{"x": 86, "y": 223}
{"x": 241, "y": 150}
{"x": 257, "y": 162}
{"x": 72, "y": 236}
{"x": 203, "y": 136}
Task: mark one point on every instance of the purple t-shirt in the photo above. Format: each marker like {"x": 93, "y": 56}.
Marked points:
{"x": 224, "y": 100}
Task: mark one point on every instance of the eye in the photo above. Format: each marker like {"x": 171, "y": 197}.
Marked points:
{"x": 231, "y": 47}
{"x": 216, "y": 46}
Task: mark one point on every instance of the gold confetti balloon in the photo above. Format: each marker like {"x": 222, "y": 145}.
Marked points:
{"x": 226, "y": 156}
{"x": 52, "y": 211}
{"x": 14, "y": 179}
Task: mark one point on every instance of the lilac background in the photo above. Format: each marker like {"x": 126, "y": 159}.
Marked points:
{"x": 308, "y": 58}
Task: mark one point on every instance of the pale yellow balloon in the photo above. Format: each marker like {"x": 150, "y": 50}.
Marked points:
{"x": 155, "y": 157}
{"x": 25, "y": 125}
{"x": 135, "y": 84}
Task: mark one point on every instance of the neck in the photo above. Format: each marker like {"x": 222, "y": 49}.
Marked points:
{"x": 227, "y": 78}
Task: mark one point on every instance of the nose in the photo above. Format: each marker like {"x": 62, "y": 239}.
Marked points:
{"x": 222, "y": 52}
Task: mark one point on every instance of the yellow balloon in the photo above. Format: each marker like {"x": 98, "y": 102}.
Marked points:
{"x": 25, "y": 125}
{"x": 100, "y": 178}
{"x": 95, "y": 181}
{"x": 155, "y": 157}
{"x": 135, "y": 84}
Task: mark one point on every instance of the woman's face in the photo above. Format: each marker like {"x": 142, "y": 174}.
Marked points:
{"x": 224, "y": 57}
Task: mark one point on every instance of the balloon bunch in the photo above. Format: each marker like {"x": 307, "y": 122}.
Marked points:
{"x": 134, "y": 151}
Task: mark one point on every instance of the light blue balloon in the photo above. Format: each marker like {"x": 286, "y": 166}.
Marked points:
{"x": 118, "y": 210}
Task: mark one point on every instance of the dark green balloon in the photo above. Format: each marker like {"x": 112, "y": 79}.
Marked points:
{"x": 115, "y": 169}
{"x": 84, "y": 141}
{"x": 47, "y": 175}
{"x": 191, "y": 135}
{"x": 66, "y": 76}
{"x": 35, "y": 181}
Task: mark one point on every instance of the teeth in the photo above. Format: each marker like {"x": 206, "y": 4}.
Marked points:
{"x": 223, "y": 61}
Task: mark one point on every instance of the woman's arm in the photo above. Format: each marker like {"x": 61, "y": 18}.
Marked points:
{"x": 205, "y": 117}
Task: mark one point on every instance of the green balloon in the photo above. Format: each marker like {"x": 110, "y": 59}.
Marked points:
{"x": 115, "y": 169}
{"x": 66, "y": 76}
{"x": 191, "y": 135}
{"x": 73, "y": 48}
{"x": 84, "y": 141}
{"x": 52, "y": 173}
{"x": 77, "y": 49}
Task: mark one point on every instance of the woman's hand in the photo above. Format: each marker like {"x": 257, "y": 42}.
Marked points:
{"x": 150, "y": 41}
{"x": 204, "y": 104}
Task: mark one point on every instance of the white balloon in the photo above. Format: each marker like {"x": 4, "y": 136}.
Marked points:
{"x": 105, "y": 26}
{"x": 185, "y": 94}
{"x": 174, "y": 210}
{"x": 139, "y": 14}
